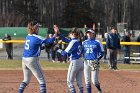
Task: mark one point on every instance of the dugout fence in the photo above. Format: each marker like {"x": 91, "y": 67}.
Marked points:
{"x": 18, "y": 50}
{"x": 21, "y": 32}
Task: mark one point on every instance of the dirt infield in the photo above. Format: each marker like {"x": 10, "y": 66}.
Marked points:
{"x": 111, "y": 81}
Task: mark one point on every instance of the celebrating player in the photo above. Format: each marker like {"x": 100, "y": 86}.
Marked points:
{"x": 93, "y": 52}
{"x": 30, "y": 60}
{"x": 76, "y": 67}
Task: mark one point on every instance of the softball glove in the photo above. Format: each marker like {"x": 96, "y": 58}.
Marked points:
{"x": 94, "y": 64}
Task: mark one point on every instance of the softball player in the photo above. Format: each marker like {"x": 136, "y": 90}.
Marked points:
{"x": 74, "y": 51}
{"x": 93, "y": 52}
{"x": 30, "y": 60}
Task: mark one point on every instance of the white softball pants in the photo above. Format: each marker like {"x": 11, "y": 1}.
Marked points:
{"x": 75, "y": 71}
{"x": 31, "y": 66}
{"x": 90, "y": 75}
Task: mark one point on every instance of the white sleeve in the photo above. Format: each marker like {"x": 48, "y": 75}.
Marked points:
{"x": 69, "y": 48}
{"x": 101, "y": 45}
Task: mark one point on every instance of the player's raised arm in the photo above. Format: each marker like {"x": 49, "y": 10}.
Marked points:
{"x": 56, "y": 30}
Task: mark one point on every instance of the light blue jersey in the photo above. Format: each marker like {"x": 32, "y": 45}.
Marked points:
{"x": 74, "y": 49}
{"x": 92, "y": 49}
{"x": 33, "y": 44}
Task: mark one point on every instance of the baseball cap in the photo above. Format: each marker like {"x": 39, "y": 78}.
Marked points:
{"x": 90, "y": 30}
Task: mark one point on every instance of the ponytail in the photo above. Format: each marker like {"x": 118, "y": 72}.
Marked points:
{"x": 79, "y": 34}
{"x": 32, "y": 27}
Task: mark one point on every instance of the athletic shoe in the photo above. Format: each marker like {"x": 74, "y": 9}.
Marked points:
{"x": 100, "y": 92}
{"x": 115, "y": 68}
{"x": 53, "y": 61}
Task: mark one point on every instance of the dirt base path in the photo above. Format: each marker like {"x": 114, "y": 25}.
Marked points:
{"x": 111, "y": 82}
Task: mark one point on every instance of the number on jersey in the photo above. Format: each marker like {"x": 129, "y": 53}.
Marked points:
{"x": 89, "y": 50}
{"x": 27, "y": 44}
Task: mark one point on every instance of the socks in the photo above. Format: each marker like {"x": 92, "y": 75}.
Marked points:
{"x": 43, "y": 88}
{"x": 22, "y": 87}
{"x": 98, "y": 87}
{"x": 72, "y": 90}
{"x": 88, "y": 87}
{"x": 81, "y": 90}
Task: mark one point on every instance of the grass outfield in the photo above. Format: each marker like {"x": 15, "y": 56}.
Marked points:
{"x": 16, "y": 65}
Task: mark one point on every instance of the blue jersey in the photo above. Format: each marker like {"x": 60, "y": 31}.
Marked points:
{"x": 92, "y": 49}
{"x": 74, "y": 48}
{"x": 33, "y": 44}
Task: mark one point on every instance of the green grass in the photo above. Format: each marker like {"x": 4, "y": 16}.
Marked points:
{"x": 10, "y": 64}
{"x": 129, "y": 66}
{"x": 123, "y": 66}
{"x": 16, "y": 65}
{"x": 54, "y": 66}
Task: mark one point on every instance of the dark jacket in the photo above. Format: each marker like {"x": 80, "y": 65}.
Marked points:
{"x": 126, "y": 39}
{"x": 8, "y": 45}
{"x": 138, "y": 39}
{"x": 113, "y": 41}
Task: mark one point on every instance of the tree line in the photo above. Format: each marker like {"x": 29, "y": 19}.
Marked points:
{"x": 70, "y": 13}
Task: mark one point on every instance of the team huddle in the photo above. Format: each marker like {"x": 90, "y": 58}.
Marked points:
{"x": 91, "y": 49}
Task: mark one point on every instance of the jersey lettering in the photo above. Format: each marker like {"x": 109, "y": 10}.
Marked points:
{"x": 89, "y": 50}
{"x": 79, "y": 50}
{"x": 27, "y": 44}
